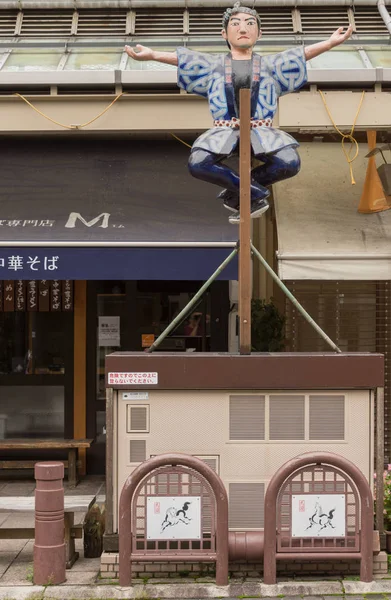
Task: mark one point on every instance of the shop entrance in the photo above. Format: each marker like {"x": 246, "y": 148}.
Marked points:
{"x": 129, "y": 316}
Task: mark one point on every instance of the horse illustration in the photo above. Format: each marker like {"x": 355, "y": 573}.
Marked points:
{"x": 174, "y": 516}
{"x": 321, "y": 519}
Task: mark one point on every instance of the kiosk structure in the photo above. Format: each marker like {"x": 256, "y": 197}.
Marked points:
{"x": 243, "y": 415}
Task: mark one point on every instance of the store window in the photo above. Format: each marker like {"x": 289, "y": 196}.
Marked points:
{"x": 36, "y": 370}
{"x": 33, "y": 343}
{"x": 156, "y": 309}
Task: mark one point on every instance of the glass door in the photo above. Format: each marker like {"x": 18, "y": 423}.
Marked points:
{"x": 109, "y": 310}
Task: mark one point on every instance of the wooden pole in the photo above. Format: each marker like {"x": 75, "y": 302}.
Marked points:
{"x": 245, "y": 224}
{"x": 79, "y": 368}
{"x": 380, "y": 464}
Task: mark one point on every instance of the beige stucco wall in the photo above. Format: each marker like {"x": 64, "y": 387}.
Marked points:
{"x": 182, "y": 112}
{"x": 197, "y": 422}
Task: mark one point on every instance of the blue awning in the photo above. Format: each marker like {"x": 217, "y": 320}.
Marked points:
{"x": 195, "y": 264}
{"x": 108, "y": 209}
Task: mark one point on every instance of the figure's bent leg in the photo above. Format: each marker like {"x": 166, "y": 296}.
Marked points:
{"x": 278, "y": 166}
{"x": 207, "y": 166}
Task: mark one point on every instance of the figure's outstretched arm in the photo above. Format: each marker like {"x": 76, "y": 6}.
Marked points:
{"x": 337, "y": 38}
{"x": 144, "y": 53}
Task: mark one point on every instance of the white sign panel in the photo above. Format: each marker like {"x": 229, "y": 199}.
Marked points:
{"x": 174, "y": 518}
{"x": 319, "y": 516}
{"x": 109, "y": 331}
{"x": 132, "y": 378}
{"x": 135, "y": 396}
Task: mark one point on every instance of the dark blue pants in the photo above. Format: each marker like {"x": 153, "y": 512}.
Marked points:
{"x": 209, "y": 167}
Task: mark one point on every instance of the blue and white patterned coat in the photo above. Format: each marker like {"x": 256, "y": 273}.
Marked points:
{"x": 210, "y": 76}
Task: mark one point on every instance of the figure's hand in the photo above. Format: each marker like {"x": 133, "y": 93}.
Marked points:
{"x": 142, "y": 53}
{"x": 339, "y": 37}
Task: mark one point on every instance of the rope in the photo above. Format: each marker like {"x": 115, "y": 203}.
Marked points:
{"x": 88, "y": 122}
{"x": 69, "y": 126}
{"x": 346, "y": 136}
{"x": 179, "y": 140}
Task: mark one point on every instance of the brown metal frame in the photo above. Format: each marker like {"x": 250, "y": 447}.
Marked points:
{"x": 354, "y": 478}
{"x": 141, "y": 477}
{"x": 174, "y": 481}
{"x": 315, "y": 479}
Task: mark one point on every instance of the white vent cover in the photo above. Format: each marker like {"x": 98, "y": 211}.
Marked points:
{"x": 50, "y": 23}
{"x": 276, "y": 21}
{"x": 286, "y": 417}
{"x": 8, "y": 23}
{"x": 246, "y": 505}
{"x": 96, "y": 23}
{"x": 247, "y": 417}
{"x": 207, "y": 21}
{"x": 137, "y": 451}
{"x": 158, "y": 22}
{"x": 137, "y": 419}
{"x": 323, "y": 20}
{"x": 212, "y": 461}
{"x": 368, "y": 21}
{"x": 327, "y": 417}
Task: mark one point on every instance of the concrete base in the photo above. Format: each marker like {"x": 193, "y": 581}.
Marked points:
{"x": 187, "y": 591}
{"x": 193, "y": 570}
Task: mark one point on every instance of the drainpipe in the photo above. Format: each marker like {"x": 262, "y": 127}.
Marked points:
{"x": 385, "y": 15}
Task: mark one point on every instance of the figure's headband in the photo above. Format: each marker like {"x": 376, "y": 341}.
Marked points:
{"x": 239, "y": 9}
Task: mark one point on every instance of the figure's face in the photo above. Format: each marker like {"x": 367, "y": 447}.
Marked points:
{"x": 242, "y": 31}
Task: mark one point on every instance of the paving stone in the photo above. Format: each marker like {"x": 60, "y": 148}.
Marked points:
{"x": 22, "y": 593}
{"x": 86, "y": 564}
{"x": 12, "y": 545}
{"x": 97, "y": 592}
{"x": 19, "y": 488}
{"x": 374, "y": 587}
{"x": 17, "y": 575}
{"x": 80, "y": 577}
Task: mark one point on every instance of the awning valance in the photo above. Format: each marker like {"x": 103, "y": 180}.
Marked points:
{"x": 321, "y": 235}
{"x": 108, "y": 209}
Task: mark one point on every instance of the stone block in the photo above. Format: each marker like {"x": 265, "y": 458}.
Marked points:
{"x": 106, "y": 575}
{"x": 293, "y": 567}
{"x": 108, "y": 559}
{"x": 153, "y": 568}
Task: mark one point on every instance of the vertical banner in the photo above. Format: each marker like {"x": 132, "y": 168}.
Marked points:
{"x": 20, "y": 295}
{"x": 55, "y": 295}
{"x": 32, "y": 299}
{"x": 9, "y": 296}
{"x": 67, "y": 295}
{"x": 44, "y": 297}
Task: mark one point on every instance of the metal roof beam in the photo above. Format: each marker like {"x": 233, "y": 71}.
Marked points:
{"x": 132, "y": 4}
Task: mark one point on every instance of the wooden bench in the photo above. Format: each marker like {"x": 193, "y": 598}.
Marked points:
{"x": 72, "y": 504}
{"x": 44, "y": 444}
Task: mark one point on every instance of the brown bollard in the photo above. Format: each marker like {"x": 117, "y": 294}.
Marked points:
{"x": 49, "y": 546}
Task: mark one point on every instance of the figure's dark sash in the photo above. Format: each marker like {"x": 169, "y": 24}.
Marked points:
{"x": 255, "y": 82}
{"x": 229, "y": 87}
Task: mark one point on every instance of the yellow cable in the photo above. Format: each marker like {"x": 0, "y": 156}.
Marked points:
{"x": 346, "y": 136}
{"x": 88, "y": 122}
{"x": 70, "y": 126}
{"x": 179, "y": 140}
